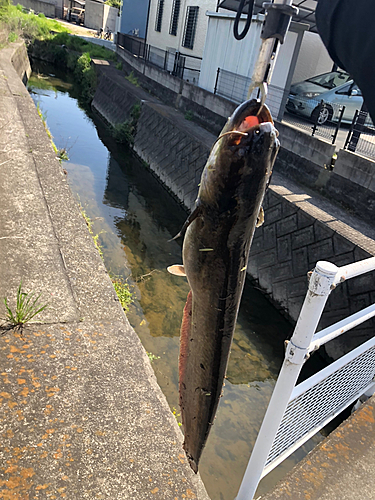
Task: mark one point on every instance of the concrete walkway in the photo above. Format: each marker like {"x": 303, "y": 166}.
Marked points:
{"x": 81, "y": 413}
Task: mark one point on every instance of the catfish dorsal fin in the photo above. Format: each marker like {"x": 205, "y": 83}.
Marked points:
{"x": 194, "y": 214}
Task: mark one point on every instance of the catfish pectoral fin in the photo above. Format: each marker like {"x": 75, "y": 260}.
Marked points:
{"x": 176, "y": 270}
{"x": 194, "y": 214}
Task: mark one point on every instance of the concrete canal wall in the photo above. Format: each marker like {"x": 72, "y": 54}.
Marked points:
{"x": 301, "y": 227}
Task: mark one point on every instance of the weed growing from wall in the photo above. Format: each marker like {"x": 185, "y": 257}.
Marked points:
{"x": 61, "y": 153}
{"x": 124, "y": 133}
{"x": 121, "y": 287}
{"x": 132, "y": 79}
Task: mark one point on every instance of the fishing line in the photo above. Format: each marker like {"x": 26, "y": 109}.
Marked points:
{"x": 228, "y": 133}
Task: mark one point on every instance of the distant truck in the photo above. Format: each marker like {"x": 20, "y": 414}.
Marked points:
{"x": 77, "y": 15}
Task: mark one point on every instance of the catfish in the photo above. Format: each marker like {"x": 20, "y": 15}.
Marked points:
{"x": 217, "y": 239}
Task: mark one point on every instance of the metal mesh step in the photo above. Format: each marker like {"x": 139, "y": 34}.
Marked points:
{"x": 316, "y": 404}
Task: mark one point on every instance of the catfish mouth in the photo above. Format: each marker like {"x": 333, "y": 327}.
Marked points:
{"x": 256, "y": 115}
{"x": 246, "y": 120}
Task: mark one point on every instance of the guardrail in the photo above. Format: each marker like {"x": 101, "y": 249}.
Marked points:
{"x": 184, "y": 66}
{"x": 296, "y": 413}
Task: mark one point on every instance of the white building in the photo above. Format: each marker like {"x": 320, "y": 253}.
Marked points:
{"x": 178, "y": 27}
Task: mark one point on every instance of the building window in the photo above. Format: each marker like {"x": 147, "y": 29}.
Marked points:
{"x": 159, "y": 15}
{"x": 190, "y": 25}
{"x": 174, "y": 18}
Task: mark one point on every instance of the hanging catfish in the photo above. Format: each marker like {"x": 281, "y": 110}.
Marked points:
{"x": 215, "y": 253}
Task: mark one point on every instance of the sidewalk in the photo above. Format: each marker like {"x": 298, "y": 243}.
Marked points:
{"x": 81, "y": 414}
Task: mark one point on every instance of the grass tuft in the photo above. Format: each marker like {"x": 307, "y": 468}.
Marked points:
{"x": 27, "y": 307}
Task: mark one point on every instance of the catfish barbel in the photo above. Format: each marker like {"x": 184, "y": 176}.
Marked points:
{"x": 215, "y": 253}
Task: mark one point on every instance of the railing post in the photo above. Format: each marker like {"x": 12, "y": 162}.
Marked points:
{"x": 217, "y": 79}
{"x": 334, "y": 136}
{"x": 320, "y": 286}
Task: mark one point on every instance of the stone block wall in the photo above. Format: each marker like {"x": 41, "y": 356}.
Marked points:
{"x": 296, "y": 234}
{"x": 175, "y": 154}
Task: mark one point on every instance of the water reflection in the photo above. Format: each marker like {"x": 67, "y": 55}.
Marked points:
{"x": 135, "y": 217}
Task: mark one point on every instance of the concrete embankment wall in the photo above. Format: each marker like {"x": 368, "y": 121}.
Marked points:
{"x": 21, "y": 63}
{"x": 300, "y": 227}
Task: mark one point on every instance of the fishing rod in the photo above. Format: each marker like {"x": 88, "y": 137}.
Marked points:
{"x": 279, "y": 14}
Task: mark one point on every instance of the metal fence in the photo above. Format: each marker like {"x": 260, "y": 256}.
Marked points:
{"x": 320, "y": 118}
{"x": 296, "y": 413}
{"x": 314, "y": 116}
{"x": 323, "y": 119}
{"x": 235, "y": 88}
{"x": 361, "y": 136}
{"x": 178, "y": 64}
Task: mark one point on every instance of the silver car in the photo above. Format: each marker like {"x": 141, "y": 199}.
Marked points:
{"x": 336, "y": 89}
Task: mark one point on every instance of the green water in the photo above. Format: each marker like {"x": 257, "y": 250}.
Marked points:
{"x": 135, "y": 217}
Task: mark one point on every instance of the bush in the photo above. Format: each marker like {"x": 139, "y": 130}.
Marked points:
{"x": 125, "y": 132}
{"x": 15, "y": 19}
{"x": 132, "y": 79}
{"x": 85, "y": 74}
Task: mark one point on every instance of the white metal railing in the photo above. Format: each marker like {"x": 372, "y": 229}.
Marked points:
{"x": 296, "y": 413}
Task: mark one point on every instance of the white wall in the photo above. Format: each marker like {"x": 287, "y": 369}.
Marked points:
{"x": 164, "y": 40}
{"x": 313, "y": 58}
{"x": 223, "y": 51}
{"x": 98, "y": 15}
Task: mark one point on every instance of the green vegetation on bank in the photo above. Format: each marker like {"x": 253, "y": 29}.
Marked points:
{"x": 16, "y": 22}
{"x": 77, "y": 44}
{"x": 122, "y": 290}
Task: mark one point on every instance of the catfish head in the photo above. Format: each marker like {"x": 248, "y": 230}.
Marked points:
{"x": 241, "y": 158}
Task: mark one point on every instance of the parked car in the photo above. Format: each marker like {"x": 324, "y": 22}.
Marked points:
{"x": 336, "y": 89}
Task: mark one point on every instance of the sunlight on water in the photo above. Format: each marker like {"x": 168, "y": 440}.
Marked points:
{"x": 135, "y": 217}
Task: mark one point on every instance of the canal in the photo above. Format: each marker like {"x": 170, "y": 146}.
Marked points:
{"x": 135, "y": 217}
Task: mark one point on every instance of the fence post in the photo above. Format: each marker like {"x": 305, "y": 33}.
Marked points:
{"x": 334, "y": 136}
{"x": 320, "y": 285}
{"x": 216, "y": 81}
{"x": 348, "y": 137}
{"x": 358, "y": 128}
